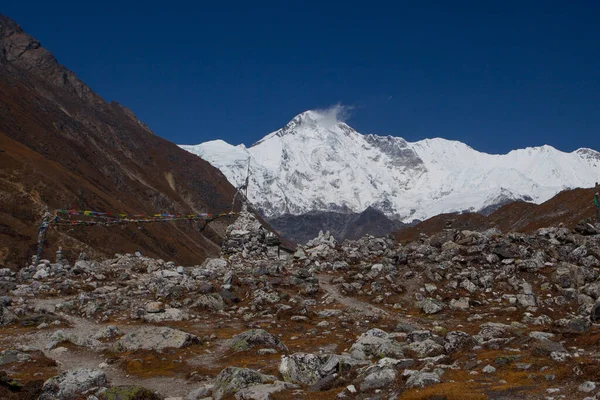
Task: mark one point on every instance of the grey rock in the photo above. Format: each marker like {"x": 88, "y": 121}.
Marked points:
{"x": 130, "y": 392}
{"x": 418, "y": 336}
{"x": 13, "y": 356}
{"x": 107, "y": 332}
{"x": 155, "y": 338}
{"x": 71, "y": 384}
{"x": 461, "y": 304}
{"x": 376, "y": 343}
{"x": 458, "y": 340}
{"x": 170, "y": 314}
{"x": 378, "y": 379}
{"x": 431, "y": 306}
{"x": 255, "y": 337}
{"x": 303, "y": 368}
{"x": 211, "y": 301}
{"x": 425, "y": 348}
{"x": 587, "y": 387}
{"x": 264, "y": 391}
{"x": 382, "y": 373}
{"x": 199, "y": 393}
{"x": 232, "y": 379}
{"x": 308, "y": 369}
{"x": 545, "y": 347}
{"x": 488, "y": 369}
{"x": 422, "y": 379}
{"x": 7, "y": 317}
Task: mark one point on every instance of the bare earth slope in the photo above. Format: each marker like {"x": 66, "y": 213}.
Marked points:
{"x": 65, "y": 147}
{"x": 568, "y": 207}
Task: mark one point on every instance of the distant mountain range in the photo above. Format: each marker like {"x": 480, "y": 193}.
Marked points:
{"x": 316, "y": 163}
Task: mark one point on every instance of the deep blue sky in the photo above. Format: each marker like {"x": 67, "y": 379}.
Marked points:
{"x": 496, "y": 75}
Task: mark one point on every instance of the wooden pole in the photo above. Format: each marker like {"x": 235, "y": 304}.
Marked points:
{"x": 597, "y": 200}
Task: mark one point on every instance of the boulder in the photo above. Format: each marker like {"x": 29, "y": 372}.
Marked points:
{"x": 308, "y": 369}
{"x": 155, "y": 338}
{"x": 422, "y": 379}
{"x": 431, "y": 306}
{"x": 129, "y": 393}
{"x": 376, "y": 343}
{"x": 425, "y": 348}
{"x": 382, "y": 373}
{"x": 233, "y": 379}
{"x": 255, "y": 338}
{"x": 70, "y": 385}
{"x": 264, "y": 391}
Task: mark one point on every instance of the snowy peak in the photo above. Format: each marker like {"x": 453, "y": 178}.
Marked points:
{"x": 318, "y": 163}
{"x": 309, "y": 125}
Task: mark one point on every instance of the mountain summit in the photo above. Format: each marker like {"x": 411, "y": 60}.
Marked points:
{"x": 317, "y": 163}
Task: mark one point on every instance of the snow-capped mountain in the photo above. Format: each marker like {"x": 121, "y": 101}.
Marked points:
{"x": 316, "y": 163}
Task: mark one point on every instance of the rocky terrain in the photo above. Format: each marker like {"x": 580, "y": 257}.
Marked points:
{"x": 455, "y": 315}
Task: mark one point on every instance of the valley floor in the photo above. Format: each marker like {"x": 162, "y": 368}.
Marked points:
{"x": 458, "y": 315}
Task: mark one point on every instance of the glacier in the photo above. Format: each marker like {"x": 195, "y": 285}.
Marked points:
{"x": 316, "y": 163}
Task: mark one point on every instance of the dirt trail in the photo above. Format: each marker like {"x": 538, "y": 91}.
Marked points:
{"x": 92, "y": 358}
{"x": 361, "y": 307}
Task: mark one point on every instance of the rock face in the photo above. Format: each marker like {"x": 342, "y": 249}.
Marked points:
{"x": 155, "y": 338}
{"x": 78, "y": 139}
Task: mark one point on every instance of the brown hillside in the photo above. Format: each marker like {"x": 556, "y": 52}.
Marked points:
{"x": 567, "y": 207}
{"x": 64, "y": 147}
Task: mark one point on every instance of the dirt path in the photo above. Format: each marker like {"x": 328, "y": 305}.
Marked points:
{"x": 359, "y": 306}
{"x": 84, "y": 357}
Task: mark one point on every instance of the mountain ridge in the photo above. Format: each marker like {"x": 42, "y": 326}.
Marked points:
{"x": 317, "y": 163}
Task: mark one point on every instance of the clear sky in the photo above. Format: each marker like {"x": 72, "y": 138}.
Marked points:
{"x": 496, "y": 75}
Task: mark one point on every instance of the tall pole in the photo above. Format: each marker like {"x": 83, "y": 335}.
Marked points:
{"x": 248, "y": 178}
{"x": 597, "y": 203}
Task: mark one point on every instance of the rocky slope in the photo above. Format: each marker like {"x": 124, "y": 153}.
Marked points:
{"x": 457, "y": 315}
{"x": 316, "y": 163}
{"x": 65, "y": 147}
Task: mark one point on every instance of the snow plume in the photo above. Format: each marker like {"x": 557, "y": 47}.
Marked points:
{"x": 333, "y": 115}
